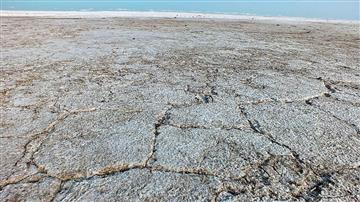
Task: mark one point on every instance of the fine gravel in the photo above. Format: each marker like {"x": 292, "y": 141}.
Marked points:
{"x": 126, "y": 109}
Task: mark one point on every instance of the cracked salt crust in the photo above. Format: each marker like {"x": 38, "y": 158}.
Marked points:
{"x": 179, "y": 110}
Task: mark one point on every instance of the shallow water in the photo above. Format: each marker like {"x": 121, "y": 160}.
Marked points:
{"x": 331, "y": 9}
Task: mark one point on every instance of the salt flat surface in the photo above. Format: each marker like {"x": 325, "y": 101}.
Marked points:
{"x": 105, "y": 109}
{"x": 151, "y": 14}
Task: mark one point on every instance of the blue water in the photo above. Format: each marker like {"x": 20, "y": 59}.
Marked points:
{"x": 323, "y": 9}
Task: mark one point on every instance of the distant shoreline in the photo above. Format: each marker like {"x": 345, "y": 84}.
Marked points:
{"x": 157, "y": 14}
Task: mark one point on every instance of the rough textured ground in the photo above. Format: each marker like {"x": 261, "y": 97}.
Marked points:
{"x": 179, "y": 110}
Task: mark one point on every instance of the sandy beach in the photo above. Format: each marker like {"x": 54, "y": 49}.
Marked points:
{"x": 178, "y": 107}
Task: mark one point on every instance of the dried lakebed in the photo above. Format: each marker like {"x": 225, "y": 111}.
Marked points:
{"x": 179, "y": 110}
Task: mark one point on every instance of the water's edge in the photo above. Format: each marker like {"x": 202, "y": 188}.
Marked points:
{"x": 159, "y": 14}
